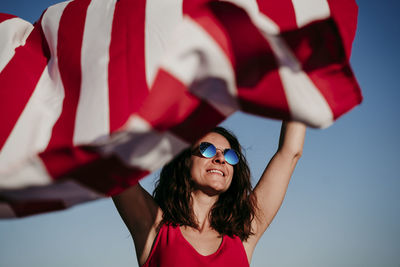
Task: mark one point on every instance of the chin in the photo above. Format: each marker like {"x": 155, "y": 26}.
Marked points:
{"x": 220, "y": 189}
{"x": 215, "y": 190}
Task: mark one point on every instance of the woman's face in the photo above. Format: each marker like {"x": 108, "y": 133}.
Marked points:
{"x": 211, "y": 175}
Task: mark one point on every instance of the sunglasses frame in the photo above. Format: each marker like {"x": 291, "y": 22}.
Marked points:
{"x": 225, "y": 151}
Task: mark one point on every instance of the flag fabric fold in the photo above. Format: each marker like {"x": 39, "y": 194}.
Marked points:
{"x": 99, "y": 93}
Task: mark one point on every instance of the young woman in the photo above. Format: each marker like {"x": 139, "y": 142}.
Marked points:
{"x": 204, "y": 212}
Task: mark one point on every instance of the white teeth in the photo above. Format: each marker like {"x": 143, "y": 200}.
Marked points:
{"x": 217, "y": 171}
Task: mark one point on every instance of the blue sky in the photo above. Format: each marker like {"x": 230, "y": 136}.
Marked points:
{"x": 343, "y": 204}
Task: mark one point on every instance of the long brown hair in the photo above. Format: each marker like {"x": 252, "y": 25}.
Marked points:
{"x": 231, "y": 214}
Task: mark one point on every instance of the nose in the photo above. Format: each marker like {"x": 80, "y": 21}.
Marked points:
{"x": 219, "y": 157}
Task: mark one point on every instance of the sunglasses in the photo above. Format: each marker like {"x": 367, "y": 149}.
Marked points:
{"x": 208, "y": 150}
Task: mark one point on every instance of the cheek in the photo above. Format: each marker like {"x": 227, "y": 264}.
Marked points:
{"x": 232, "y": 173}
{"x": 195, "y": 167}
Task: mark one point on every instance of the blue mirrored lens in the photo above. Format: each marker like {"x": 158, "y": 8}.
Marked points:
{"x": 208, "y": 150}
{"x": 231, "y": 157}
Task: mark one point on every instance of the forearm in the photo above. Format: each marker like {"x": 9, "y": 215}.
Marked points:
{"x": 291, "y": 139}
{"x": 272, "y": 186}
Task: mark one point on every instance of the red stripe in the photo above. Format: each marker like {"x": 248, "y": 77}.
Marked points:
{"x": 190, "y": 6}
{"x": 204, "y": 17}
{"x": 266, "y": 99}
{"x": 345, "y": 12}
{"x": 108, "y": 176}
{"x": 319, "y": 49}
{"x": 252, "y": 55}
{"x": 105, "y": 175}
{"x": 69, "y": 44}
{"x": 338, "y": 86}
{"x": 4, "y": 17}
{"x": 163, "y": 108}
{"x": 281, "y": 12}
{"x": 260, "y": 89}
{"x": 31, "y": 207}
{"x": 198, "y": 123}
{"x": 127, "y": 78}
{"x": 19, "y": 79}
{"x": 177, "y": 110}
{"x": 61, "y": 160}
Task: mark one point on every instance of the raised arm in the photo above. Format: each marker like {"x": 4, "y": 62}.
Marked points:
{"x": 141, "y": 215}
{"x": 271, "y": 188}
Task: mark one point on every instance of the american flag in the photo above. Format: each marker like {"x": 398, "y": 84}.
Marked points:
{"x": 99, "y": 93}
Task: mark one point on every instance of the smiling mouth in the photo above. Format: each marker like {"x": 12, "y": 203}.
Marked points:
{"x": 217, "y": 171}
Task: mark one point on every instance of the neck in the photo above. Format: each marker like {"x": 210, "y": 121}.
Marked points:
{"x": 202, "y": 204}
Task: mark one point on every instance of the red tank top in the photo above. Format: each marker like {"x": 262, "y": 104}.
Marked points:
{"x": 171, "y": 249}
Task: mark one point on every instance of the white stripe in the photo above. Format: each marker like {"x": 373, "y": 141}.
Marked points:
{"x": 198, "y": 61}
{"x": 306, "y": 103}
{"x": 50, "y": 24}
{"x": 310, "y": 10}
{"x": 30, "y": 172}
{"x": 70, "y": 192}
{"x": 142, "y": 147}
{"x": 92, "y": 118}
{"x": 13, "y": 34}
{"x": 162, "y": 17}
{"x": 32, "y": 131}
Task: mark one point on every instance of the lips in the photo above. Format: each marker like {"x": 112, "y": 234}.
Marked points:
{"x": 216, "y": 171}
